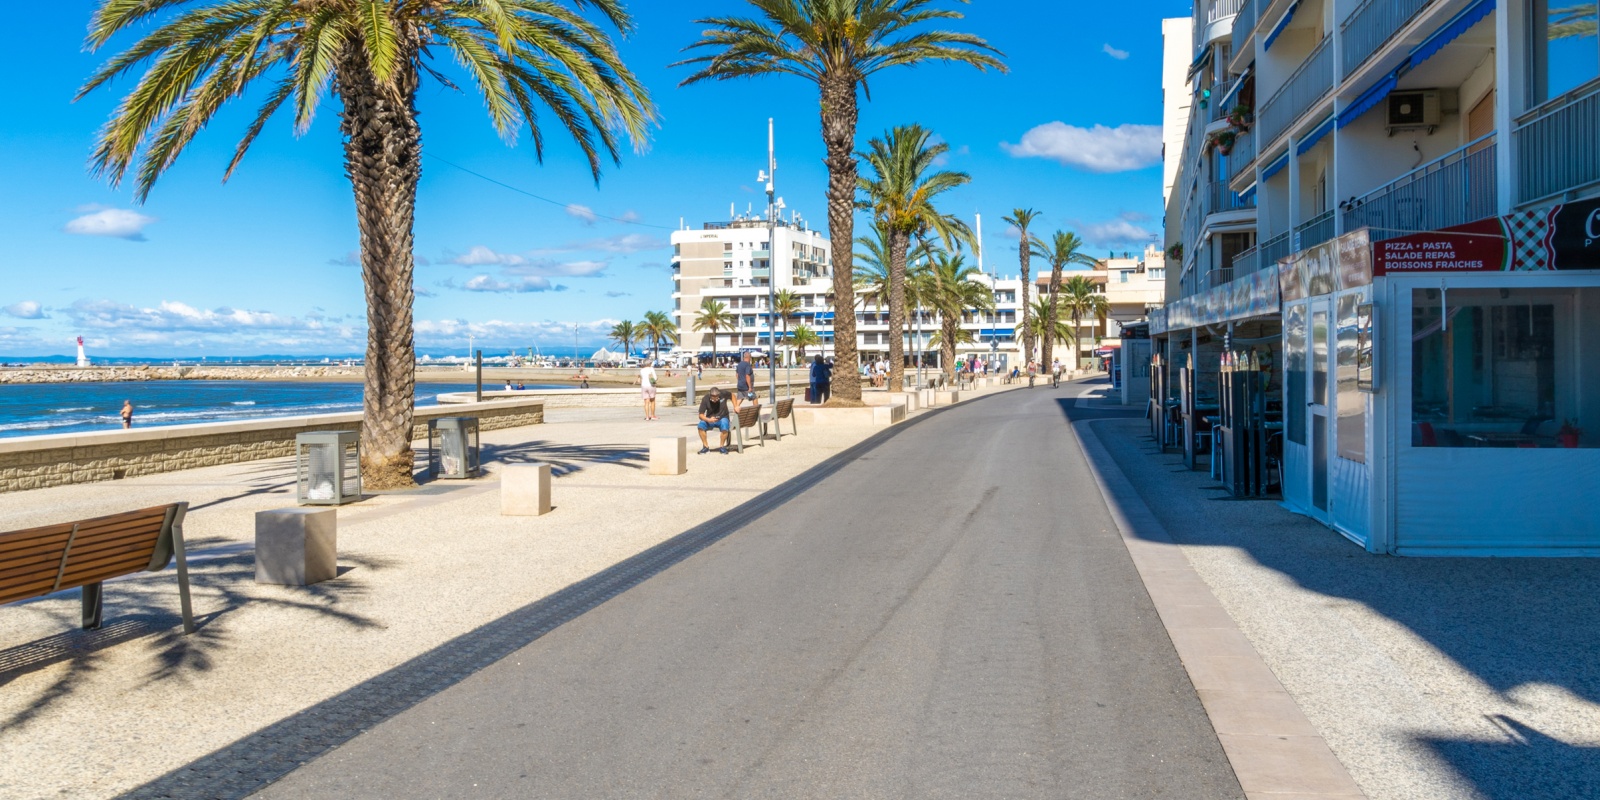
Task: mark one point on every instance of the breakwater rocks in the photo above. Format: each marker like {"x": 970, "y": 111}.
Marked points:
{"x": 157, "y": 373}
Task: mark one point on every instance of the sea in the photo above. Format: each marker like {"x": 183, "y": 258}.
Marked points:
{"x": 43, "y": 408}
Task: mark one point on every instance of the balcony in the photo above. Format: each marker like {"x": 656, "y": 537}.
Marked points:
{"x": 1373, "y": 23}
{"x": 1243, "y": 157}
{"x": 1314, "y": 231}
{"x": 1555, "y": 146}
{"x": 1215, "y": 11}
{"x": 1220, "y": 276}
{"x": 1246, "y": 262}
{"x": 1218, "y": 111}
{"x": 1224, "y": 199}
{"x": 1455, "y": 189}
{"x": 1309, "y": 84}
{"x": 1245, "y": 24}
{"x": 1270, "y": 252}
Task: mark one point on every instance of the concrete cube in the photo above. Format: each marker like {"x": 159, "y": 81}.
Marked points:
{"x": 525, "y": 490}
{"x": 911, "y": 400}
{"x": 669, "y": 455}
{"x": 925, "y": 396}
{"x": 945, "y": 398}
{"x": 297, "y": 546}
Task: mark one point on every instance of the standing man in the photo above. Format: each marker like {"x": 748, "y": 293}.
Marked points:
{"x": 744, "y": 381}
{"x": 127, "y": 408}
{"x": 821, "y": 380}
{"x": 713, "y": 414}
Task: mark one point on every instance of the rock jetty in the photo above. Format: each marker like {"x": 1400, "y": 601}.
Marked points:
{"x": 158, "y": 373}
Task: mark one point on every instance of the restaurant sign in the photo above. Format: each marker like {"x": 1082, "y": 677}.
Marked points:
{"x": 1560, "y": 237}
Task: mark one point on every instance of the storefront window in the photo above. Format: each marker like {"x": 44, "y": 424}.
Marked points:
{"x": 1294, "y": 372}
{"x": 1564, "y": 51}
{"x": 1496, "y": 368}
{"x": 1351, "y": 401}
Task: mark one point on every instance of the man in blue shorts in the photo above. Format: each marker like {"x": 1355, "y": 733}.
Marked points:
{"x": 713, "y": 414}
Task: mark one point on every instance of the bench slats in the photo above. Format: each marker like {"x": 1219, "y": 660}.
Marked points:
{"x": 23, "y": 540}
{"x": 103, "y": 547}
{"x": 25, "y": 590}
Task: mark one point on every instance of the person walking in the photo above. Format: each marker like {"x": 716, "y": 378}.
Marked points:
{"x": 127, "y": 414}
{"x": 821, "y": 380}
{"x": 1033, "y": 371}
{"x": 744, "y": 382}
{"x": 647, "y": 388}
{"x": 1055, "y": 374}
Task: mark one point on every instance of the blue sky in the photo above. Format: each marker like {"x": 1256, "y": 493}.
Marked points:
{"x": 263, "y": 264}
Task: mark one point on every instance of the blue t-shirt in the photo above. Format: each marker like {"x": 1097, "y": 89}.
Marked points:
{"x": 820, "y": 372}
{"x": 745, "y": 376}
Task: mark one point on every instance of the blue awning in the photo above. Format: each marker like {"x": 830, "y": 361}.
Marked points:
{"x": 1200, "y": 61}
{"x": 1449, "y": 31}
{"x": 1248, "y": 193}
{"x": 1233, "y": 90}
{"x": 1266, "y": 44}
{"x": 1369, "y": 98}
{"x": 1314, "y": 136}
{"x": 1275, "y": 167}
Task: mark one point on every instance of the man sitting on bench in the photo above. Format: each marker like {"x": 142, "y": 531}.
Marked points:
{"x": 713, "y": 414}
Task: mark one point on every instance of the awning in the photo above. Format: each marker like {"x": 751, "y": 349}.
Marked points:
{"x": 1266, "y": 44}
{"x": 1314, "y": 136}
{"x": 1448, "y": 32}
{"x": 1248, "y": 193}
{"x": 1233, "y": 91}
{"x": 1200, "y": 62}
{"x": 1369, "y": 98}
{"x": 1275, "y": 167}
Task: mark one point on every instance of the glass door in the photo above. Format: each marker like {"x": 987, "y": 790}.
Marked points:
{"x": 1318, "y": 404}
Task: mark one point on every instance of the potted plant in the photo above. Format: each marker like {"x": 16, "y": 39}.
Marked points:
{"x": 1569, "y": 434}
{"x": 1175, "y": 252}
{"x": 1222, "y": 140}
{"x": 1239, "y": 116}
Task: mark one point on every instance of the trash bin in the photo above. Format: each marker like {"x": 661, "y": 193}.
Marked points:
{"x": 453, "y": 447}
{"x": 327, "y": 467}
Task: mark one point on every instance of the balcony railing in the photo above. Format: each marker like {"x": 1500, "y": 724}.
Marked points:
{"x": 1314, "y": 231}
{"x": 1310, "y": 83}
{"x": 1224, "y": 199}
{"x": 1220, "y": 276}
{"x": 1246, "y": 262}
{"x": 1370, "y": 25}
{"x": 1219, "y": 110}
{"x": 1455, "y": 189}
{"x": 1243, "y": 154}
{"x": 1271, "y": 251}
{"x": 1215, "y": 10}
{"x": 1556, "y": 146}
{"x": 1245, "y": 23}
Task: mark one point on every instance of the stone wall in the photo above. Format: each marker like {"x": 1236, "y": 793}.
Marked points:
{"x": 34, "y": 462}
{"x": 156, "y": 373}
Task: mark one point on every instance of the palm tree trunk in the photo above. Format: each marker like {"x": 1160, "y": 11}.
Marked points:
{"x": 899, "y": 243}
{"x": 383, "y": 152}
{"x": 839, "y": 114}
{"x": 1077, "y": 342}
{"x": 1050, "y": 317}
{"x": 1027, "y": 330}
{"x": 950, "y": 327}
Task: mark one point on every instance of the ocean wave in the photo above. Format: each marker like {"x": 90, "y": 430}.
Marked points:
{"x": 90, "y": 422}
{"x": 243, "y": 403}
{"x": 71, "y": 410}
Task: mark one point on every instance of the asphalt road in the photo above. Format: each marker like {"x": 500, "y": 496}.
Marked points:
{"x": 949, "y": 616}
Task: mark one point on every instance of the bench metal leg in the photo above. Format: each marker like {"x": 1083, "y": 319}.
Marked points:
{"x": 92, "y": 607}
{"x": 180, "y": 554}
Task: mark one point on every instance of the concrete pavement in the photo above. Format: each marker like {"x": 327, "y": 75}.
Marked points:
{"x": 949, "y": 613}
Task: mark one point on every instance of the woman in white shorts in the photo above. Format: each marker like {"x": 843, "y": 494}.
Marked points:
{"x": 647, "y": 387}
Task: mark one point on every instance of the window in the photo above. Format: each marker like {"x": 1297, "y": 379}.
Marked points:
{"x": 1350, "y": 401}
{"x": 1294, "y": 372}
{"x": 1159, "y": 274}
{"x": 1562, "y": 48}
{"x": 1490, "y": 368}
{"x": 1122, "y": 276}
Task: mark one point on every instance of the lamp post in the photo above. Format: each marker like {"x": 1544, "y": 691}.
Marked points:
{"x": 774, "y": 205}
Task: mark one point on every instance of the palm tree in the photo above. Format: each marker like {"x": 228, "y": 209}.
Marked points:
{"x": 838, "y": 45}
{"x": 658, "y": 327}
{"x": 626, "y": 333}
{"x": 954, "y": 292}
{"x": 901, "y": 196}
{"x": 1081, "y": 298}
{"x": 1020, "y": 219}
{"x": 714, "y": 316}
{"x": 1040, "y": 317}
{"x": 963, "y": 336}
{"x": 872, "y": 273}
{"x": 802, "y": 337}
{"x": 1063, "y": 251}
{"x": 786, "y": 305}
{"x": 372, "y": 57}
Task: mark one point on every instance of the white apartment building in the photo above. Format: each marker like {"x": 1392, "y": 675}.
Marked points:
{"x": 729, "y": 262}
{"x": 1387, "y": 215}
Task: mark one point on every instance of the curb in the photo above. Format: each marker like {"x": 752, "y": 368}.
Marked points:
{"x": 1274, "y": 750}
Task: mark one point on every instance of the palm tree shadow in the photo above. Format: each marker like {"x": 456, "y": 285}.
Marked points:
{"x": 566, "y": 459}
{"x": 1529, "y": 765}
{"x": 145, "y": 607}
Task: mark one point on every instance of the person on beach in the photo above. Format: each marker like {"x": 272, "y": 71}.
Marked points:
{"x": 520, "y": 386}
{"x": 127, "y": 414}
{"x": 713, "y": 414}
{"x": 744, "y": 383}
{"x": 821, "y": 380}
{"x": 647, "y": 388}
{"x": 508, "y": 385}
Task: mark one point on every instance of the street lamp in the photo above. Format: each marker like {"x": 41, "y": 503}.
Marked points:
{"x": 774, "y": 205}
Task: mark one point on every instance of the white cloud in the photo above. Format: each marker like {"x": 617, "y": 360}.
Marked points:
{"x": 527, "y": 265}
{"x": 1120, "y": 55}
{"x": 487, "y": 283}
{"x": 27, "y": 309}
{"x": 117, "y": 223}
{"x": 502, "y": 333}
{"x": 565, "y": 269}
{"x": 582, "y": 213}
{"x": 621, "y": 243}
{"x": 1097, "y": 149}
{"x": 480, "y": 256}
{"x": 629, "y": 216}
{"x": 173, "y": 324}
{"x": 1119, "y": 233}
{"x": 615, "y": 293}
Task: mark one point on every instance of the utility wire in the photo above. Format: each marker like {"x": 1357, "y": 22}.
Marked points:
{"x": 505, "y": 185}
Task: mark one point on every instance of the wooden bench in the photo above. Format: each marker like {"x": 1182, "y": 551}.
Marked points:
{"x": 749, "y": 416}
{"x": 784, "y": 411}
{"x": 81, "y": 555}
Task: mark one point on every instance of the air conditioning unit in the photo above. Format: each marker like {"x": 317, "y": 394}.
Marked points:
{"x": 1412, "y": 110}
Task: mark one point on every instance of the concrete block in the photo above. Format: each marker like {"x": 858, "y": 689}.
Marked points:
{"x": 297, "y": 546}
{"x": 945, "y": 398}
{"x": 925, "y": 397}
{"x": 669, "y": 455}
{"x": 912, "y": 400}
{"x": 524, "y": 490}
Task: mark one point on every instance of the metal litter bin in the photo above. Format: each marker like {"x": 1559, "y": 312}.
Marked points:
{"x": 453, "y": 447}
{"x": 327, "y": 467}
